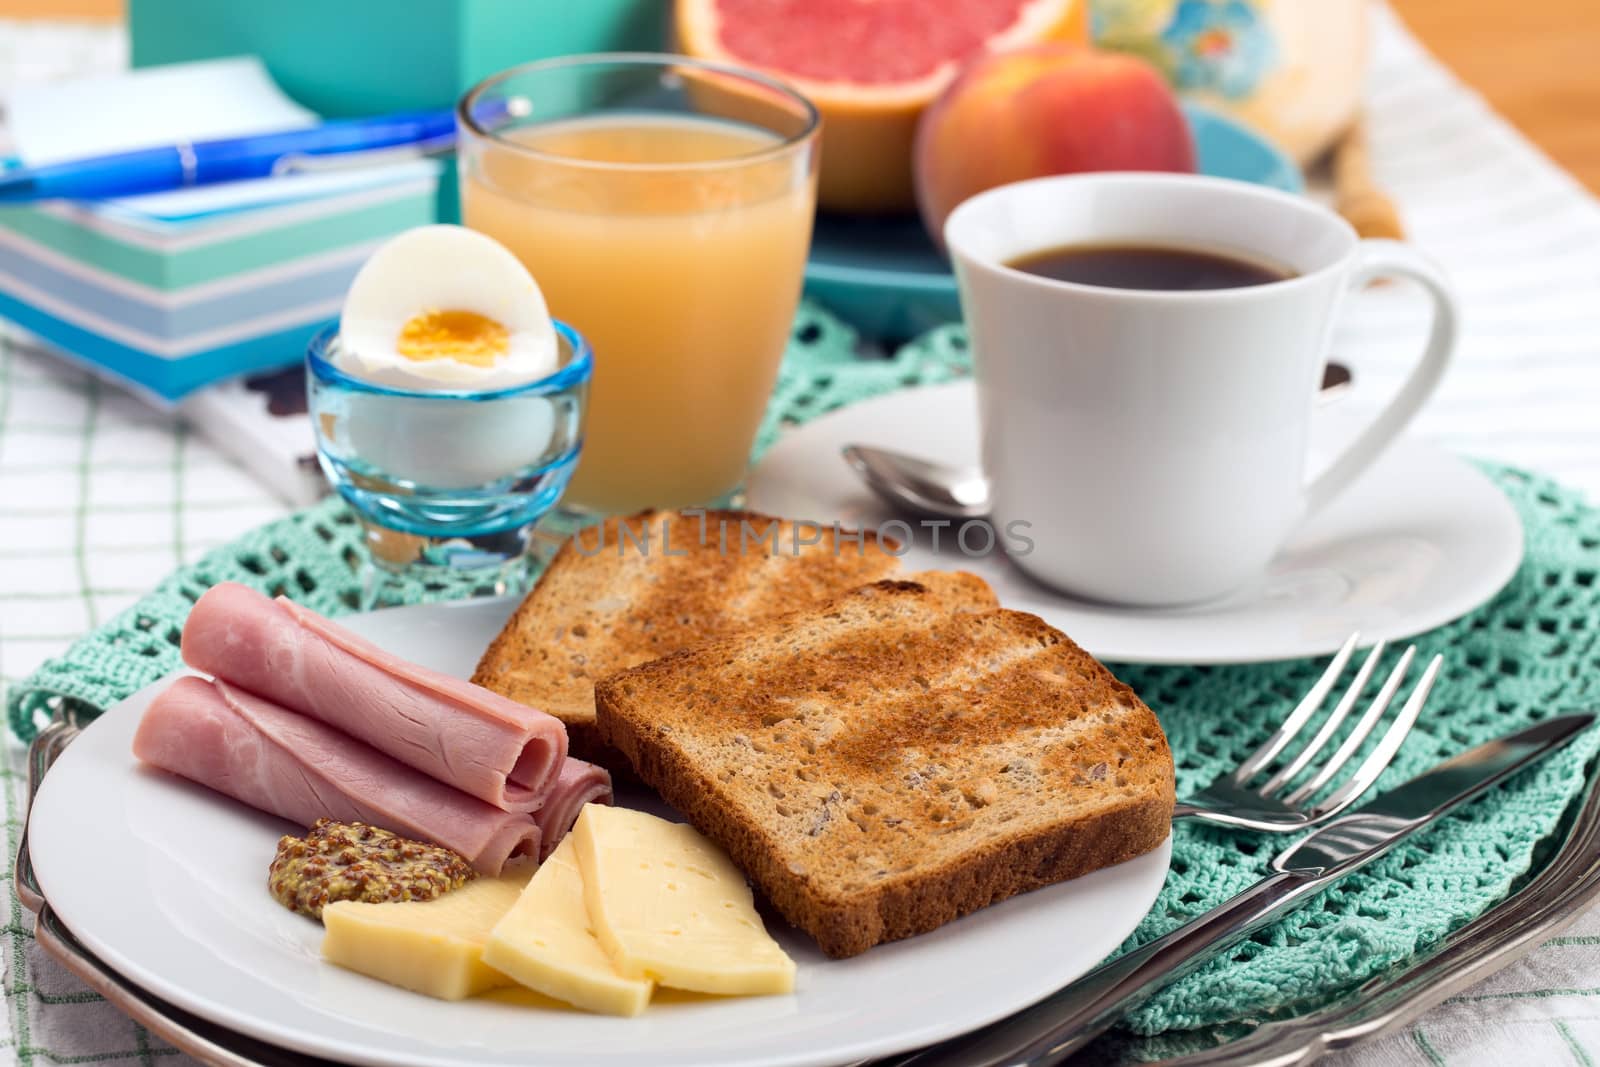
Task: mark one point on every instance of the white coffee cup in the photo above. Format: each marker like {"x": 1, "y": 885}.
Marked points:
{"x": 1154, "y": 442}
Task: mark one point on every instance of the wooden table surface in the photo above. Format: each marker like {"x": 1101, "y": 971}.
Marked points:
{"x": 1538, "y": 61}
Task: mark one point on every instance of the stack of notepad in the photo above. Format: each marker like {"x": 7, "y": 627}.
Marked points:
{"x": 174, "y": 291}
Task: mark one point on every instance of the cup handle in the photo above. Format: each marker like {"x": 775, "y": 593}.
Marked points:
{"x": 1391, "y": 259}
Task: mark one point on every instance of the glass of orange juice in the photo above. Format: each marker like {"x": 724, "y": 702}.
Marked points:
{"x": 664, "y": 205}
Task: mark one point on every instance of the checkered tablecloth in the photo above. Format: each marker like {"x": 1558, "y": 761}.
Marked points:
{"x": 101, "y": 496}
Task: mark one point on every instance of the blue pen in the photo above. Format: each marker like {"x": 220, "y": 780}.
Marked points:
{"x": 153, "y": 170}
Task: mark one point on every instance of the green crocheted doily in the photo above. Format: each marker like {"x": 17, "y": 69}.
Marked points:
{"x": 1531, "y": 652}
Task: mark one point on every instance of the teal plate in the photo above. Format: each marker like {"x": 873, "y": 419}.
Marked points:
{"x": 886, "y": 279}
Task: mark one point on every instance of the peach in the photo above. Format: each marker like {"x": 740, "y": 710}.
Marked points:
{"x": 1047, "y": 109}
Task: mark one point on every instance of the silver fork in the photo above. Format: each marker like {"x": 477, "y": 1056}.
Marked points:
{"x": 1236, "y": 799}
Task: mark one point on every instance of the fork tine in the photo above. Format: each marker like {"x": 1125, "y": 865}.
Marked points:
{"x": 1340, "y": 712}
{"x": 1368, "y": 721}
{"x": 1379, "y": 758}
{"x": 1298, "y": 717}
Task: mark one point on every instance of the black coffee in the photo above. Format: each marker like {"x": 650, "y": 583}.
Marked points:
{"x": 1149, "y": 267}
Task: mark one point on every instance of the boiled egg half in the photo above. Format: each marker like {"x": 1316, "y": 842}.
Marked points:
{"x": 445, "y": 307}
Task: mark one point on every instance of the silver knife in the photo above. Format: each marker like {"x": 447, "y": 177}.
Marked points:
{"x": 1061, "y": 1024}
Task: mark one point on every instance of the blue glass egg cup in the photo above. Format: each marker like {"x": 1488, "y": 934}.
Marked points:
{"x": 450, "y": 485}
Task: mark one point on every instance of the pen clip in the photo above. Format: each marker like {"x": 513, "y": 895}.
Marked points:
{"x": 307, "y": 163}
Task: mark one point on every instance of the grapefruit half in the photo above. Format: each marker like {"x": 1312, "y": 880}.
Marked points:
{"x": 870, "y": 66}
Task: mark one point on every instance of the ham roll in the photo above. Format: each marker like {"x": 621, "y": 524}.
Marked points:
{"x": 578, "y": 784}
{"x": 483, "y": 744}
{"x": 300, "y": 769}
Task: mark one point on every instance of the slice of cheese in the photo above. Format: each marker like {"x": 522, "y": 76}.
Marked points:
{"x": 545, "y": 942}
{"x": 435, "y": 946}
{"x": 668, "y": 904}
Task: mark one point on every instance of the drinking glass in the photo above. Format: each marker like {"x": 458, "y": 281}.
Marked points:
{"x": 664, "y": 206}
{"x": 449, "y": 484}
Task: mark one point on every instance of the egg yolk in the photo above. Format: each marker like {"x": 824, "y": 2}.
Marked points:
{"x": 464, "y": 336}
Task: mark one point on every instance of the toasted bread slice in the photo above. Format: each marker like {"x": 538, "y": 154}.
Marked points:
{"x": 882, "y": 765}
{"x": 637, "y": 588}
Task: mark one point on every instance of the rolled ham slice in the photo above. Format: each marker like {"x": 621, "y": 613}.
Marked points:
{"x": 579, "y": 783}
{"x": 495, "y": 749}
{"x": 299, "y": 769}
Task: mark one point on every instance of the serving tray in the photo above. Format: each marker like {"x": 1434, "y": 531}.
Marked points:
{"x": 1545, "y": 902}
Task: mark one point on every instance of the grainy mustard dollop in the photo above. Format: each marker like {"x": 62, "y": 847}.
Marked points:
{"x": 354, "y": 861}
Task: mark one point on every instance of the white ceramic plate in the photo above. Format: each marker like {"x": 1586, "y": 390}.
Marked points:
{"x": 166, "y": 882}
{"x": 1421, "y": 539}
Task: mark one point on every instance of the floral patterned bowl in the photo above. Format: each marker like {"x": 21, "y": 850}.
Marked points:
{"x": 1293, "y": 69}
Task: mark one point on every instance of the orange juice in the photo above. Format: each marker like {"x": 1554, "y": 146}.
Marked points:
{"x": 676, "y": 244}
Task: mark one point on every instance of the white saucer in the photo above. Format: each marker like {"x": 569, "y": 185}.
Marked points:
{"x": 1420, "y": 540}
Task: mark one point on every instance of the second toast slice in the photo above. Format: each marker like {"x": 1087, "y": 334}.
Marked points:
{"x": 640, "y": 587}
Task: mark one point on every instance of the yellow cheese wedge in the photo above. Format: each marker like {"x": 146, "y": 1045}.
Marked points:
{"x": 667, "y": 904}
{"x": 545, "y": 942}
{"x": 435, "y": 946}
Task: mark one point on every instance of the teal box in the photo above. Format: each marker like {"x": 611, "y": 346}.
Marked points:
{"x": 345, "y": 58}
